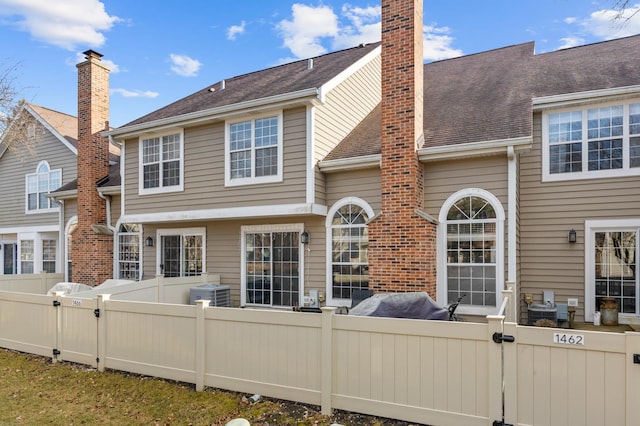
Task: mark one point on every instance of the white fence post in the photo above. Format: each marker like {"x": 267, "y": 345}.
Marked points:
{"x": 200, "y": 355}
{"x": 57, "y": 295}
{"x": 632, "y": 377}
{"x": 102, "y": 331}
{"x": 495, "y": 367}
{"x": 326, "y": 375}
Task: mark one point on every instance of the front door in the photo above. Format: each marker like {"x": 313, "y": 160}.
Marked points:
{"x": 272, "y": 262}
{"x": 10, "y": 257}
{"x": 615, "y": 268}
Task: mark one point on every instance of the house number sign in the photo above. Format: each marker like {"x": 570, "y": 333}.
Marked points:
{"x": 76, "y": 302}
{"x": 568, "y": 339}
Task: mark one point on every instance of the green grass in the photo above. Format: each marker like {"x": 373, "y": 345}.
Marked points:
{"x": 35, "y": 391}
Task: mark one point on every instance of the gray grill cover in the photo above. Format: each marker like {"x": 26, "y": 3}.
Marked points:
{"x": 416, "y": 305}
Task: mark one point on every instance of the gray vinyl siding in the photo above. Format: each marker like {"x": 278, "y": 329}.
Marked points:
{"x": 70, "y": 210}
{"x": 223, "y": 243}
{"x": 15, "y": 165}
{"x": 364, "y": 184}
{"x": 548, "y": 210}
{"x": 204, "y": 173}
{"x": 344, "y": 108}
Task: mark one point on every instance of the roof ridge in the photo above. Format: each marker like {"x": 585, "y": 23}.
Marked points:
{"x": 612, "y": 40}
{"x": 52, "y": 110}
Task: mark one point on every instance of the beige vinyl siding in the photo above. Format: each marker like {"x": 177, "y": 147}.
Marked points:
{"x": 15, "y": 165}
{"x": 549, "y": 210}
{"x": 204, "y": 173}
{"x": 70, "y": 210}
{"x": 344, "y": 108}
{"x": 444, "y": 178}
{"x": 364, "y": 184}
{"x": 223, "y": 244}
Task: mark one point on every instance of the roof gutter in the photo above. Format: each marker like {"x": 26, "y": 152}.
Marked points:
{"x": 213, "y": 113}
{"x": 570, "y": 99}
{"x": 474, "y": 149}
{"x": 352, "y": 163}
{"x": 63, "y": 195}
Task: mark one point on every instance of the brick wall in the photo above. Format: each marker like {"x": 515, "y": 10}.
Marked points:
{"x": 402, "y": 244}
{"x": 92, "y": 251}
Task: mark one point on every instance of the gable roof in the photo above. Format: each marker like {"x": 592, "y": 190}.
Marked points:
{"x": 63, "y": 127}
{"x": 291, "y": 78}
{"x": 488, "y": 96}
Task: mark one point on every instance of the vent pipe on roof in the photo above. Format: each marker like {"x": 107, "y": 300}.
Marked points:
{"x": 222, "y": 85}
{"x": 310, "y": 64}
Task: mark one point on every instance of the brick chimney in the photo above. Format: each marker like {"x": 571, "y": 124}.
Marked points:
{"x": 92, "y": 246}
{"x": 402, "y": 243}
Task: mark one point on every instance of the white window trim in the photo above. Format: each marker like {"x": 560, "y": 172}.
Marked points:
{"x": 590, "y": 228}
{"x": 160, "y": 189}
{"x": 37, "y": 238}
{"x": 117, "y": 261}
{"x": 249, "y": 229}
{"x": 585, "y": 173}
{"x": 182, "y": 232}
{"x": 227, "y": 149}
{"x": 441, "y": 290}
{"x": 331, "y": 301}
{"x": 26, "y": 190}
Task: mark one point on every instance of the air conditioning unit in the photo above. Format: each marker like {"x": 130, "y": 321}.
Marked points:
{"x": 538, "y": 312}
{"x": 218, "y": 295}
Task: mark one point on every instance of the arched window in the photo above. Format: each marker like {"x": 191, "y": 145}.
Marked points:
{"x": 39, "y": 184}
{"x": 473, "y": 245}
{"x": 347, "y": 254}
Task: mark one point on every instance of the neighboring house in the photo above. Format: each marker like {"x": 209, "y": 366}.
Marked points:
{"x": 34, "y": 162}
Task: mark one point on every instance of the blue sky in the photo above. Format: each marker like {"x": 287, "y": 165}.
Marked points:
{"x": 161, "y": 51}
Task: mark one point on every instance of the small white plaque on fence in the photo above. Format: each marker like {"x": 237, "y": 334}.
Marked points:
{"x": 568, "y": 339}
{"x": 76, "y": 302}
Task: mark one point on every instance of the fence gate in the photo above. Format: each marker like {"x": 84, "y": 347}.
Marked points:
{"x": 77, "y": 330}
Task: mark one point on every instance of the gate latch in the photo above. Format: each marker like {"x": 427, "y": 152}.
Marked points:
{"x": 499, "y": 338}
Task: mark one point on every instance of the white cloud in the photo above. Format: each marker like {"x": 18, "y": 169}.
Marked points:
{"x": 135, "y": 93}
{"x": 64, "y": 24}
{"x": 570, "y": 20}
{"x": 184, "y": 65}
{"x": 607, "y": 24}
{"x": 312, "y": 28}
{"x": 568, "y": 42}
{"x": 302, "y": 34}
{"x": 235, "y": 30}
{"x": 437, "y": 44}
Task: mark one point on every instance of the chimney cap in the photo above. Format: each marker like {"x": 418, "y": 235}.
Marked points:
{"x": 92, "y": 54}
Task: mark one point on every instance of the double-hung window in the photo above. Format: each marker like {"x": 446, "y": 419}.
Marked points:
{"x": 161, "y": 163}
{"x": 253, "y": 150}
{"x": 39, "y": 184}
{"x": 590, "y": 142}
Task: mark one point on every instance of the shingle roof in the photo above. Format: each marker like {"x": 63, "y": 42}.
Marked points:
{"x": 287, "y": 78}
{"x": 65, "y": 124}
{"x": 488, "y": 96}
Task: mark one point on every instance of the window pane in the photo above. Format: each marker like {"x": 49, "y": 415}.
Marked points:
{"x": 266, "y": 132}
{"x": 26, "y": 256}
{"x": 350, "y": 245}
{"x": 171, "y": 173}
{"x": 151, "y": 150}
{"x": 240, "y": 135}
{"x": 240, "y": 164}
{"x": 266, "y": 162}
{"x": 129, "y": 252}
{"x": 171, "y": 147}
{"x": 615, "y": 269}
{"x": 151, "y": 176}
{"x": 49, "y": 255}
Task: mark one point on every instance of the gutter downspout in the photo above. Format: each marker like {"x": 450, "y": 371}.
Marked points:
{"x": 512, "y": 226}
{"x": 62, "y": 241}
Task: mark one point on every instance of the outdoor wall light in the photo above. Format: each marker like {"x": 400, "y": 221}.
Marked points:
{"x": 573, "y": 237}
{"x": 304, "y": 237}
{"x": 148, "y": 242}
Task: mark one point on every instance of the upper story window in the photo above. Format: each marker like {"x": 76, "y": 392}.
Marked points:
{"x": 39, "y": 184}
{"x": 253, "y": 150}
{"x": 161, "y": 163}
{"x": 603, "y": 141}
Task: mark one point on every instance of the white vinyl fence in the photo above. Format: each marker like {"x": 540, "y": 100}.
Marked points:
{"x": 431, "y": 372}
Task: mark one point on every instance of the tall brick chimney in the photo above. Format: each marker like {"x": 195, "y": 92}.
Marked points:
{"x": 92, "y": 246}
{"x": 402, "y": 243}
